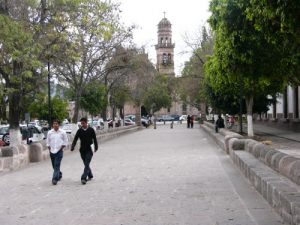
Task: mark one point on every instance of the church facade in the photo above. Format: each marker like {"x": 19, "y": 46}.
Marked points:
{"x": 165, "y": 66}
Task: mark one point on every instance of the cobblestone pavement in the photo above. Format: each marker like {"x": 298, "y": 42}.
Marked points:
{"x": 157, "y": 176}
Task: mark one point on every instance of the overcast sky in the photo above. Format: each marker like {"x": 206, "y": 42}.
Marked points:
{"x": 186, "y": 16}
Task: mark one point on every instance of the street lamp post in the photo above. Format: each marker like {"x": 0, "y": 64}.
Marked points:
{"x": 49, "y": 97}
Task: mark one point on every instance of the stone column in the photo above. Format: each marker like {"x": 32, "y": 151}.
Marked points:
{"x": 296, "y": 102}
{"x": 274, "y": 107}
{"x": 285, "y": 104}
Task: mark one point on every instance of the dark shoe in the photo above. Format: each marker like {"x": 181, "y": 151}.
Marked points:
{"x": 54, "y": 182}
{"x": 90, "y": 178}
{"x": 60, "y": 176}
{"x": 83, "y": 181}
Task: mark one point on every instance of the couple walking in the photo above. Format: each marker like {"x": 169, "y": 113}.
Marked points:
{"x": 190, "y": 121}
{"x": 57, "y": 140}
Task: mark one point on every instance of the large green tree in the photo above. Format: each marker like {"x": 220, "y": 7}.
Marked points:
{"x": 242, "y": 54}
{"x": 26, "y": 38}
{"x": 18, "y": 63}
{"x": 94, "y": 34}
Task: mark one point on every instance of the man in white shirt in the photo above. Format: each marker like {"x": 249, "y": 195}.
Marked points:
{"x": 57, "y": 140}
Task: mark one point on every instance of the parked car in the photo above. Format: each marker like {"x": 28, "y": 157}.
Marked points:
{"x": 98, "y": 124}
{"x": 4, "y": 135}
{"x": 128, "y": 122}
{"x": 175, "y": 117}
{"x": 183, "y": 117}
{"x": 33, "y": 133}
{"x": 131, "y": 117}
{"x": 145, "y": 122}
{"x": 165, "y": 118}
{"x": 68, "y": 128}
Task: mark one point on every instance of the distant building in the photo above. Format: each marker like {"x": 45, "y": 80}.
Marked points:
{"x": 165, "y": 66}
{"x": 286, "y": 108}
{"x": 165, "y": 48}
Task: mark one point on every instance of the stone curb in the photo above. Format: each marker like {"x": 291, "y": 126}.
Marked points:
{"x": 275, "y": 175}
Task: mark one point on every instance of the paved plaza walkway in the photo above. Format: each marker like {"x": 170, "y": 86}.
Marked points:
{"x": 157, "y": 176}
{"x": 284, "y": 139}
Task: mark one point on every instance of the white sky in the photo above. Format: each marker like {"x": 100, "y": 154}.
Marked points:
{"x": 186, "y": 16}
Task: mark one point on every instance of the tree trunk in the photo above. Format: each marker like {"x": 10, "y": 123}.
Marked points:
{"x": 121, "y": 112}
{"x": 249, "y": 103}
{"x": 14, "y": 105}
{"x": 138, "y": 115}
{"x": 77, "y": 106}
{"x": 43, "y": 11}
{"x": 103, "y": 114}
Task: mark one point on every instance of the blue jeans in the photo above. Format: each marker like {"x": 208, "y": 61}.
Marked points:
{"x": 56, "y": 160}
{"x": 86, "y": 156}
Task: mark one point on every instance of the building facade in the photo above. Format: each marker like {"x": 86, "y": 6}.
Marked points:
{"x": 165, "y": 49}
{"x": 165, "y": 66}
{"x": 286, "y": 107}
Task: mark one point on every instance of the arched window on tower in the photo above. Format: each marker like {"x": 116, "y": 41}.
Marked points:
{"x": 161, "y": 40}
{"x": 169, "y": 58}
{"x": 166, "y": 41}
{"x": 165, "y": 59}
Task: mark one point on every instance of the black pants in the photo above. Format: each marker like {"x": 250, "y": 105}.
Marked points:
{"x": 86, "y": 156}
{"x": 216, "y": 129}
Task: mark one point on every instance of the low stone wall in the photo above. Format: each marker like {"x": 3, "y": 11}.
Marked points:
{"x": 12, "y": 158}
{"x": 16, "y": 157}
{"x": 275, "y": 175}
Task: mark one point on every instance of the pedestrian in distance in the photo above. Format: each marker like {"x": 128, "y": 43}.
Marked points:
{"x": 57, "y": 140}
{"x": 192, "y": 121}
{"x": 231, "y": 121}
{"x": 87, "y": 137}
{"x": 219, "y": 123}
{"x": 188, "y": 121}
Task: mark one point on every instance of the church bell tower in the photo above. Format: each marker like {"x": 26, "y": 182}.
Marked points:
{"x": 165, "y": 48}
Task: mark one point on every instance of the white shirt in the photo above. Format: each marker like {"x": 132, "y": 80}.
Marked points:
{"x": 56, "y": 139}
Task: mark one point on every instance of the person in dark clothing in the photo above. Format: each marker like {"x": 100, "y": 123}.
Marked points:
{"x": 87, "y": 137}
{"x": 188, "y": 121}
{"x": 192, "y": 121}
{"x": 219, "y": 123}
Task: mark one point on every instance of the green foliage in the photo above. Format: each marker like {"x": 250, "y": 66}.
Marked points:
{"x": 279, "y": 22}
{"x": 17, "y": 46}
{"x": 93, "y": 33}
{"x": 39, "y": 108}
{"x": 119, "y": 96}
{"x": 241, "y": 54}
{"x": 94, "y": 98}
{"x": 157, "y": 95}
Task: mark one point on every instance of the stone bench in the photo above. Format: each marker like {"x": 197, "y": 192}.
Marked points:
{"x": 280, "y": 192}
{"x": 275, "y": 175}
